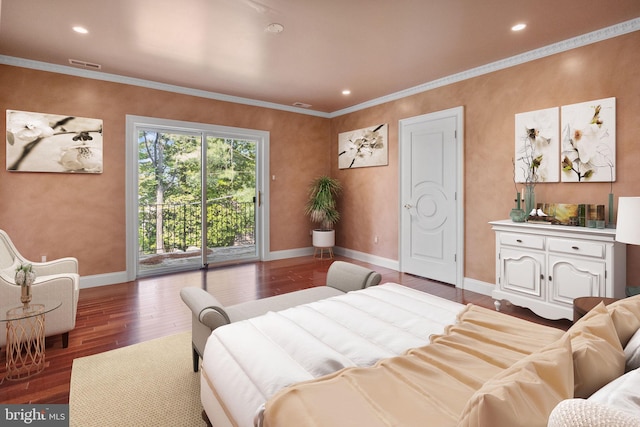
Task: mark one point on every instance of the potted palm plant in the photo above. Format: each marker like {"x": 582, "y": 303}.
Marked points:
{"x": 321, "y": 208}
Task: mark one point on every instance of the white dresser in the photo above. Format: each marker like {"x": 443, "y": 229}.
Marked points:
{"x": 544, "y": 267}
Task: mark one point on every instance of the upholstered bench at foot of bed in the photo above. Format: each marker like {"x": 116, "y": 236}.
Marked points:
{"x": 208, "y": 313}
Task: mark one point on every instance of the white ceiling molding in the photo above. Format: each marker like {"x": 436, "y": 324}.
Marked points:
{"x": 579, "y": 41}
{"x": 115, "y": 78}
{"x": 583, "y": 40}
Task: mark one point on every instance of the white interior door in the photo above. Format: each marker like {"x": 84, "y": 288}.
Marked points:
{"x": 430, "y": 150}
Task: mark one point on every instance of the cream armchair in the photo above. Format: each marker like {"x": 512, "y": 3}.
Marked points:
{"x": 56, "y": 280}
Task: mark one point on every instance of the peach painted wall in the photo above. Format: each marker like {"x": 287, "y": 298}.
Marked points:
{"x": 605, "y": 69}
{"x": 83, "y": 215}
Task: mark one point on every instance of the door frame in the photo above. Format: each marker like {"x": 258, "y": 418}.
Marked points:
{"x": 458, "y": 113}
{"x": 131, "y": 179}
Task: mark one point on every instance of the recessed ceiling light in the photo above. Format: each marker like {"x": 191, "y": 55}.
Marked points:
{"x": 518, "y": 27}
{"x": 275, "y": 28}
{"x": 80, "y": 30}
{"x": 346, "y": 92}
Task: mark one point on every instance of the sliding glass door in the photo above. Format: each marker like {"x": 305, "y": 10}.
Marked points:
{"x": 231, "y": 199}
{"x": 197, "y": 198}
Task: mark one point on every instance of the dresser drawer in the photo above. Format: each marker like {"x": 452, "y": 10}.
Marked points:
{"x": 577, "y": 247}
{"x": 530, "y": 241}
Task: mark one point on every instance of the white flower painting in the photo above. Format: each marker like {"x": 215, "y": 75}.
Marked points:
{"x": 363, "y": 147}
{"x": 589, "y": 141}
{"x": 39, "y": 142}
{"x": 537, "y": 146}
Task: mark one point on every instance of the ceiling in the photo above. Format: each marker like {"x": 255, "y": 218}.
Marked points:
{"x": 372, "y": 47}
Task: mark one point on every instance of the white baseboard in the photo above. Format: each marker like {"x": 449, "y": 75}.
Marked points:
{"x": 360, "y": 256}
{"x": 478, "y": 286}
{"x": 371, "y": 259}
{"x": 472, "y": 285}
{"x": 103, "y": 279}
{"x": 289, "y": 253}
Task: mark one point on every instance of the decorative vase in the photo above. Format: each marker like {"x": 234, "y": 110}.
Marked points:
{"x": 324, "y": 238}
{"x": 517, "y": 215}
{"x": 25, "y": 294}
{"x": 529, "y": 198}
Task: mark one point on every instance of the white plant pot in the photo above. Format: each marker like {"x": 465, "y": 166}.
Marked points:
{"x": 324, "y": 238}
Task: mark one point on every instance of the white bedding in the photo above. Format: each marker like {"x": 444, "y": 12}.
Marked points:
{"x": 247, "y": 362}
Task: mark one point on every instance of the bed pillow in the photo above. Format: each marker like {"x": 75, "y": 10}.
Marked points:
{"x": 598, "y": 357}
{"x": 626, "y": 317}
{"x": 632, "y": 352}
{"x": 621, "y": 393}
{"x": 526, "y": 393}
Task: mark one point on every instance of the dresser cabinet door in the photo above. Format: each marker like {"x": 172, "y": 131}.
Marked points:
{"x": 571, "y": 278}
{"x": 522, "y": 272}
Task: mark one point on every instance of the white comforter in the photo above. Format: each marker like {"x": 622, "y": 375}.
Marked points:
{"x": 248, "y": 362}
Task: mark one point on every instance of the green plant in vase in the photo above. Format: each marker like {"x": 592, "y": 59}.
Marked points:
{"x": 321, "y": 208}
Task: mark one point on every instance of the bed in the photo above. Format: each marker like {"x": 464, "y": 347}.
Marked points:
{"x": 247, "y": 362}
{"x": 334, "y": 362}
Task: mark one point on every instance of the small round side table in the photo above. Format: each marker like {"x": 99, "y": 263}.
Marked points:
{"x": 25, "y": 338}
{"x": 582, "y": 305}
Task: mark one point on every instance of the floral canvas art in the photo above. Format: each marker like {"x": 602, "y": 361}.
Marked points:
{"x": 38, "y": 142}
{"x": 537, "y": 146}
{"x": 363, "y": 147}
{"x": 589, "y": 141}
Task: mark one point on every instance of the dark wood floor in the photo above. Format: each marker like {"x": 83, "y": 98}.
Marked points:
{"x": 115, "y": 316}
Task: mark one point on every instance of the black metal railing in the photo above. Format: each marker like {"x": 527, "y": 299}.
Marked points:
{"x": 229, "y": 223}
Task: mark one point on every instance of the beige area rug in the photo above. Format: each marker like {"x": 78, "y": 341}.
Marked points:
{"x": 146, "y": 384}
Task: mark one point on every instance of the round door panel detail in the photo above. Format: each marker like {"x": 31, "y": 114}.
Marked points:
{"x": 431, "y": 208}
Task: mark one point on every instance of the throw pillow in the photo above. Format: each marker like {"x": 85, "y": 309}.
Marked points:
{"x": 526, "y": 393}
{"x": 626, "y": 317}
{"x": 598, "y": 357}
{"x": 632, "y": 352}
{"x": 621, "y": 393}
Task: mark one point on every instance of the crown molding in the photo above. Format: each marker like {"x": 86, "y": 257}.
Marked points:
{"x": 573, "y": 43}
{"x": 149, "y": 84}
{"x": 579, "y": 41}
